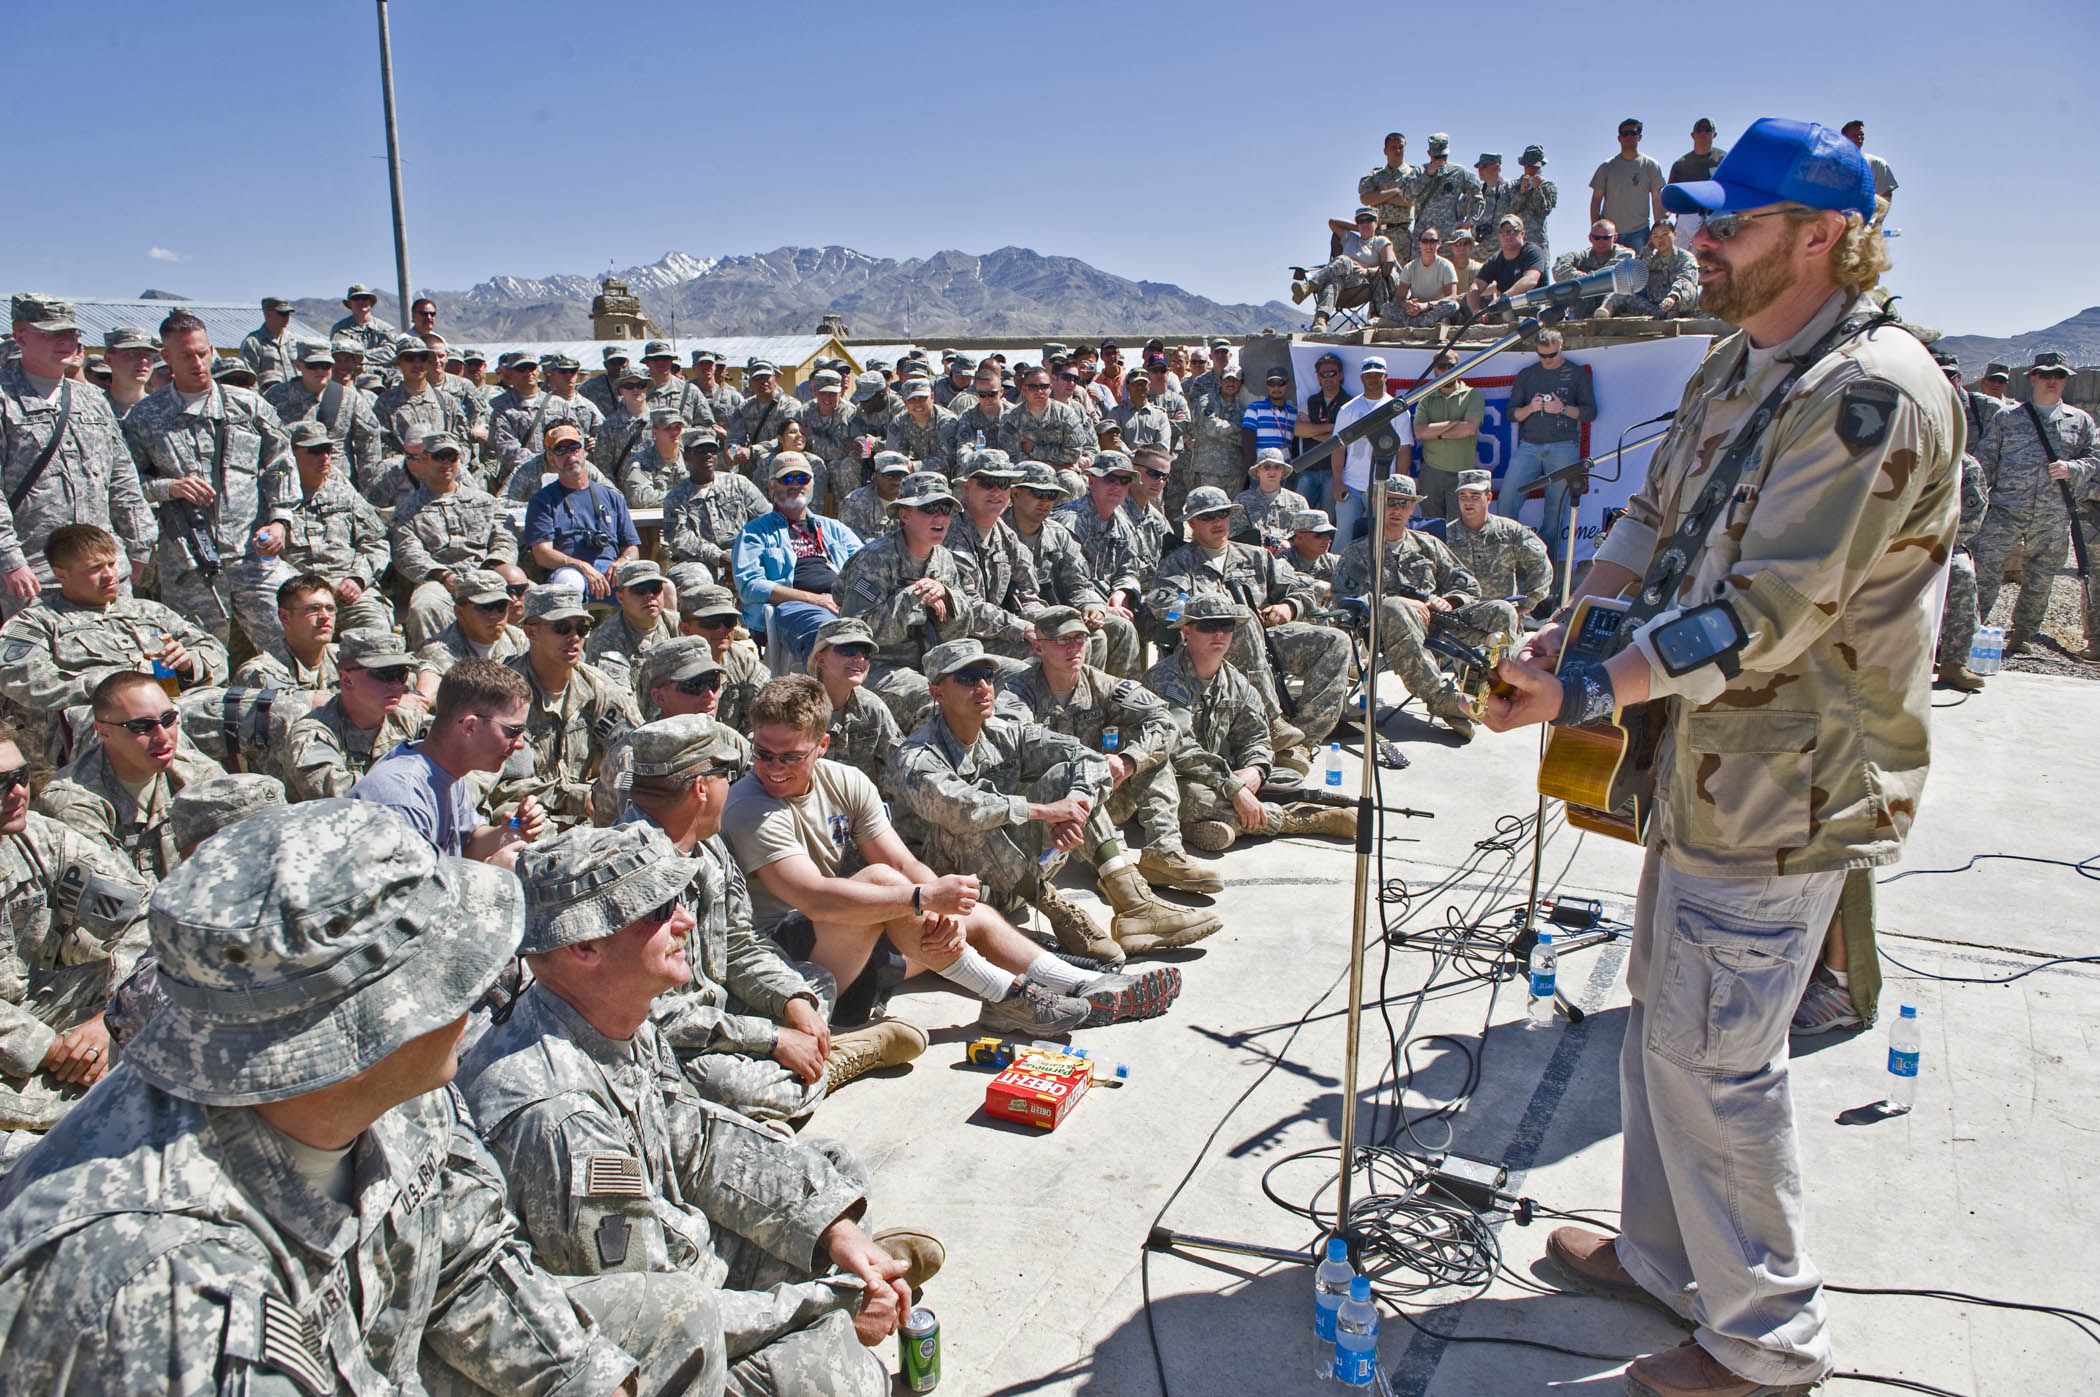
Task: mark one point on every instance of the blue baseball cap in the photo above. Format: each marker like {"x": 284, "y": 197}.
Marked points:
{"x": 1782, "y": 162}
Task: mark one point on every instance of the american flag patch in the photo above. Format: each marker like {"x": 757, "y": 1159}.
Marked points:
{"x": 290, "y": 1345}
{"x": 614, "y": 1176}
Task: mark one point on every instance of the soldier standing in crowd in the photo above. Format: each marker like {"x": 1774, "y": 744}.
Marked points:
{"x": 1445, "y": 194}
{"x": 417, "y": 407}
{"x": 131, "y": 354}
{"x": 1534, "y": 199}
{"x": 657, "y": 461}
{"x": 722, "y": 399}
{"x": 1958, "y": 615}
{"x": 2027, "y": 450}
{"x": 373, "y": 337}
{"x": 1389, "y": 191}
{"x": 269, "y": 348}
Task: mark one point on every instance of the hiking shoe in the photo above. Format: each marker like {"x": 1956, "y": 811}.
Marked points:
{"x": 1032, "y": 1009}
{"x": 1173, "y": 868}
{"x": 1450, "y": 709}
{"x": 1075, "y": 930}
{"x": 1690, "y": 1371}
{"x": 1142, "y": 922}
{"x": 1121, "y": 998}
{"x": 1959, "y": 676}
{"x": 2017, "y": 644}
{"x": 1392, "y": 756}
{"x": 859, "y": 1051}
{"x": 1590, "y": 1262}
{"x": 1211, "y": 836}
{"x": 1299, "y": 291}
{"x": 1319, "y": 323}
{"x": 921, "y": 1253}
{"x": 1305, "y": 817}
{"x": 1825, "y": 1007}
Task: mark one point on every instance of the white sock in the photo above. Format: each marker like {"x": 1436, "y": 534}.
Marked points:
{"x": 1047, "y": 969}
{"x": 978, "y": 977}
{"x": 1843, "y": 978}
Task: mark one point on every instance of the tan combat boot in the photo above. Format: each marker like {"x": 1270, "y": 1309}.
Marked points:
{"x": 1457, "y": 715}
{"x": 1212, "y": 836}
{"x": 1299, "y": 291}
{"x": 870, "y": 1048}
{"x": 1319, "y": 323}
{"x": 1075, "y": 930}
{"x": 921, "y": 1253}
{"x": 1171, "y": 868}
{"x": 1144, "y": 923}
{"x": 1309, "y": 818}
{"x": 1956, "y": 675}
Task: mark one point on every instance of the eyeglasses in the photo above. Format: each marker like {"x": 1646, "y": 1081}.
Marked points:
{"x": 565, "y": 448}
{"x": 761, "y": 757}
{"x": 1217, "y": 627}
{"x": 518, "y": 589}
{"x": 511, "y": 731}
{"x": 13, "y": 779}
{"x": 715, "y": 623}
{"x": 1156, "y": 475}
{"x": 143, "y": 727}
{"x": 1330, "y": 373}
{"x": 1429, "y": 238}
{"x": 854, "y": 651}
{"x": 1723, "y": 226}
{"x": 492, "y": 608}
{"x": 323, "y": 450}
{"x": 569, "y": 629}
{"x": 1042, "y": 387}
{"x": 1068, "y": 378}
{"x": 386, "y": 674}
{"x": 940, "y": 509}
{"x": 1625, "y": 131}
{"x": 1600, "y": 237}
{"x": 645, "y": 589}
{"x": 700, "y": 684}
{"x": 797, "y": 478}
{"x": 987, "y": 392}
{"x": 973, "y": 675}
{"x": 1047, "y": 496}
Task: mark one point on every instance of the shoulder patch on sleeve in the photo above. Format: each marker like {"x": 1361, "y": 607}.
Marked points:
{"x": 16, "y": 651}
{"x": 614, "y": 1176}
{"x": 1865, "y": 414}
{"x": 289, "y": 1344}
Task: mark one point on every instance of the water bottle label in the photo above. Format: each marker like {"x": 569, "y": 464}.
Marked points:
{"x": 1323, "y": 1322}
{"x": 1334, "y": 778}
{"x": 1903, "y": 1064}
{"x": 1542, "y": 984}
{"x": 1356, "y": 1367}
{"x": 1111, "y": 739}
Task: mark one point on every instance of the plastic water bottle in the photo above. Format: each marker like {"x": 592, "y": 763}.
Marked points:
{"x": 1356, "y": 1337}
{"x": 170, "y": 682}
{"x": 1544, "y": 960}
{"x": 978, "y": 442}
{"x": 1904, "y": 1044}
{"x": 1987, "y": 650}
{"x": 1331, "y": 769}
{"x": 1330, "y": 1287}
{"x": 1175, "y": 609}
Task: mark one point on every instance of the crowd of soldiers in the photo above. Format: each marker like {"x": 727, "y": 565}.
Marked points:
{"x": 355, "y": 745}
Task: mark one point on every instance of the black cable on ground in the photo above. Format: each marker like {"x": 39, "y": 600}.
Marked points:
{"x": 2084, "y": 868}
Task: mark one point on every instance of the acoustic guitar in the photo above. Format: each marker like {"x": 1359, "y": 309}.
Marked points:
{"x": 1603, "y": 772}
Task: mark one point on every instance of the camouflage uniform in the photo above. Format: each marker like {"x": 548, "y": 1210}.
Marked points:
{"x": 375, "y": 337}
{"x": 757, "y": 423}
{"x": 1674, "y": 278}
{"x": 872, "y": 586}
{"x": 1002, "y": 573}
{"x": 1220, "y": 731}
{"x": 567, "y": 735}
{"x": 962, "y": 433}
{"x": 931, "y": 443}
{"x": 1058, "y": 436}
{"x": 274, "y": 358}
{"x": 280, "y": 669}
{"x": 1575, "y": 264}
{"x": 1959, "y": 617}
{"x": 355, "y": 423}
{"x": 622, "y": 434}
{"x": 1505, "y": 558}
{"x": 830, "y": 443}
{"x": 1065, "y": 579}
{"x": 863, "y": 734}
{"x": 683, "y": 394}
{"x": 646, "y": 477}
{"x": 324, "y": 754}
{"x": 1268, "y": 517}
{"x": 1444, "y": 199}
{"x": 1145, "y": 733}
{"x": 701, "y": 522}
{"x": 1154, "y": 533}
{"x": 90, "y": 478}
{"x": 518, "y": 425}
{"x": 249, "y": 479}
{"x": 722, "y": 400}
{"x": 86, "y": 795}
{"x": 54, "y": 654}
{"x": 75, "y": 914}
{"x": 603, "y": 391}
{"x": 1394, "y": 220}
{"x": 450, "y": 645}
{"x": 1318, "y": 657}
{"x": 867, "y": 513}
{"x": 616, "y": 648}
{"x": 872, "y": 418}
{"x": 332, "y": 532}
{"x": 743, "y": 675}
{"x": 1425, "y": 566}
{"x": 405, "y": 417}
{"x": 436, "y": 538}
{"x": 1215, "y": 454}
{"x": 1533, "y": 206}
{"x": 2027, "y": 525}
{"x": 1112, "y": 548}
{"x": 1150, "y": 425}
{"x": 1494, "y": 201}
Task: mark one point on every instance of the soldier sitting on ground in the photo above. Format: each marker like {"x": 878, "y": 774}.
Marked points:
{"x": 123, "y": 775}
{"x": 1507, "y": 560}
{"x": 863, "y": 730}
{"x": 326, "y": 751}
{"x": 480, "y": 629}
{"x": 677, "y": 678}
{"x": 576, "y": 714}
{"x": 638, "y": 626}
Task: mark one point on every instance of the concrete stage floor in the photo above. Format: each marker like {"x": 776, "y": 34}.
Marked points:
{"x": 1988, "y": 1186}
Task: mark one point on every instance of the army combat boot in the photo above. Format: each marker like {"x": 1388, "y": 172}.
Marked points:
{"x": 1173, "y": 868}
{"x": 1212, "y": 836}
{"x": 870, "y": 1048}
{"x": 1075, "y": 930}
{"x": 1144, "y": 923}
{"x": 1307, "y": 817}
{"x": 921, "y": 1253}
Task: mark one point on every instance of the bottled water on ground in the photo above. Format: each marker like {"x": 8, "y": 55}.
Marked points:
{"x": 1356, "y": 1337}
{"x": 1331, "y": 771}
{"x": 1904, "y": 1044}
{"x": 1330, "y": 1287}
{"x": 1544, "y": 961}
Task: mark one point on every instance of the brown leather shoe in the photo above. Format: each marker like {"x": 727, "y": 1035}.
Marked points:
{"x": 1590, "y": 1263}
{"x": 1690, "y": 1371}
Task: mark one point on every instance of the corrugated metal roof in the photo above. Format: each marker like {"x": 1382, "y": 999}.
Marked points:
{"x": 788, "y": 351}
{"x": 227, "y": 322}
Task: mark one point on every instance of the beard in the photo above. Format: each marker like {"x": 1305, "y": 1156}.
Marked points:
{"x": 1748, "y": 287}
{"x": 799, "y": 500}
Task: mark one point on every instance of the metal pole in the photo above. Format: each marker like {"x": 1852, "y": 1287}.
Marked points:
{"x": 393, "y": 163}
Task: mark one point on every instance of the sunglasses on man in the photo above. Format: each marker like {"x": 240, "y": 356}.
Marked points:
{"x": 144, "y": 727}
{"x": 700, "y": 684}
{"x": 648, "y": 588}
{"x": 14, "y": 779}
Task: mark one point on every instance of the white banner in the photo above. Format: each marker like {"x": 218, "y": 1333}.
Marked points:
{"x": 1633, "y": 382}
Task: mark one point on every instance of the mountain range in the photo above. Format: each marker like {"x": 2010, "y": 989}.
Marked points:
{"x": 1011, "y": 292}
{"x": 2078, "y": 337}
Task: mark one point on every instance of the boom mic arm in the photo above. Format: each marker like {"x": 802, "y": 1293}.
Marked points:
{"x": 1629, "y": 275}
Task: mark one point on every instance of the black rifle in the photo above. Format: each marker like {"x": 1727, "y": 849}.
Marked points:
{"x": 179, "y": 518}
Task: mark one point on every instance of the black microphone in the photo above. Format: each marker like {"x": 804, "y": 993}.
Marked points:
{"x": 1629, "y": 275}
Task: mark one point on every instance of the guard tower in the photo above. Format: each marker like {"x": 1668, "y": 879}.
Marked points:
{"x": 616, "y": 313}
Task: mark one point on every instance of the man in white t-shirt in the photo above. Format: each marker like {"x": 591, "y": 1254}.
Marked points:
{"x": 1386, "y": 449}
{"x": 1427, "y": 289}
{"x": 830, "y": 880}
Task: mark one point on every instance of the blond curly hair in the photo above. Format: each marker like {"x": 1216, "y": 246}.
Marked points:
{"x": 1861, "y": 254}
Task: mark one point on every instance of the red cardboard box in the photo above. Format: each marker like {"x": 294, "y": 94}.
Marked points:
{"x": 1038, "y": 1091}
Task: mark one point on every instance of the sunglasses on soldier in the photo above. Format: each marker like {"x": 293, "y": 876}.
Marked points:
{"x": 492, "y": 608}
{"x": 647, "y": 588}
{"x": 1723, "y": 226}
{"x": 143, "y": 727}
{"x": 1218, "y": 626}
{"x": 13, "y": 779}
{"x": 853, "y": 651}
{"x": 700, "y": 684}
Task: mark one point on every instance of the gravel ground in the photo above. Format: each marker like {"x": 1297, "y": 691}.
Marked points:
{"x": 2063, "y": 632}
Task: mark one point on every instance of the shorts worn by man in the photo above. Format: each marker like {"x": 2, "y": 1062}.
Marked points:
{"x": 1788, "y": 757}
{"x": 617, "y": 1166}
{"x": 274, "y": 1178}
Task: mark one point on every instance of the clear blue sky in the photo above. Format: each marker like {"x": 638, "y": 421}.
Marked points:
{"x": 232, "y": 149}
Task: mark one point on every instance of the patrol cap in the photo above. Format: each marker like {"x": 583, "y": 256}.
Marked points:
{"x": 842, "y": 630}
{"x": 1311, "y": 521}
{"x": 1997, "y": 372}
{"x": 666, "y": 417}
{"x": 869, "y": 386}
{"x": 203, "y": 808}
{"x": 1110, "y": 463}
{"x": 963, "y": 361}
{"x": 1401, "y": 489}
{"x": 671, "y": 745}
{"x": 994, "y": 465}
{"x": 1230, "y": 369}
{"x": 705, "y": 356}
{"x": 1205, "y": 499}
{"x": 51, "y": 314}
{"x": 1276, "y": 376}
{"x": 614, "y": 354}
{"x": 687, "y": 657}
{"x": 407, "y": 346}
{"x": 561, "y": 361}
{"x": 944, "y": 659}
{"x": 636, "y": 570}
{"x": 372, "y": 648}
{"x": 522, "y": 359}
{"x": 2048, "y": 363}
{"x": 129, "y": 337}
{"x": 1534, "y": 154}
{"x": 438, "y": 443}
{"x": 347, "y": 344}
{"x": 892, "y": 463}
{"x": 584, "y": 884}
{"x": 1778, "y": 162}
{"x": 711, "y": 600}
{"x": 824, "y": 378}
{"x": 325, "y": 937}
{"x": 923, "y": 488}
{"x": 559, "y": 432}
{"x": 702, "y": 439}
{"x": 918, "y": 388}
{"x": 760, "y": 366}
{"x": 1057, "y": 622}
{"x": 227, "y": 369}
{"x": 276, "y": 303}
{"x": 658, "y": 349}
{"x": 1486, "y": 157}
{"x": 1704, "y": 123}
{"x": 1038, "y": 476}
{"x": 480, "y": 586}
{"x": 473, "y": 356}
{"x": 631, "y": 377}
{"x": 1367, "y": 215}
{"x": 1438, "y": 141}
{"x": 311, "y": 432}
{"x": 1210, "y": 606}
{"x": 689, "y": 577}
{"x": 547, "y": 602}
{"x": 1108, "y": 427}
{"x": 1945, "y": 360}
{"x": 1268, "y": 456}
{"x": 359, "y": 292}
{"x": 1476, "y": 480}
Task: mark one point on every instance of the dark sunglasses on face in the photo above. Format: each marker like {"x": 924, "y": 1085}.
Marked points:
{"x": 854, "y": 651}
{"x": 700, "y": 684}
{"x": 791, "y": 480}
{"x": 761, "y": 757}
{"x": 975, "y": 675}
{"x": 987, "y": 392}
{"x": 715, "y": 623}
{"x": 1069, "y": 378}
{"x": 492, "y": 608}
{"x": 1723, "y": 226}
{"x": 646, "y": 589}
{"x": 518, "y": 589}
{"x": 1155, "y": 475}
{"x": 940, "y": 509}
{"x": 565, "y": 448}
{"x": 511, "y": 731}
{"x": 143, "y": 727}
{"x": 13, "y": 779}
{"x": 1217, "y": 627}
{"x": 387, "y": 674}
{"x": 569, "y": 629}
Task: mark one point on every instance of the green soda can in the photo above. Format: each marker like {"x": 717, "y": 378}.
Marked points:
{"x": 919, "y": 1350}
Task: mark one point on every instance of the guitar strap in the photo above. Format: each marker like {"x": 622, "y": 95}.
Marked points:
{"x": 1658, "y": 589}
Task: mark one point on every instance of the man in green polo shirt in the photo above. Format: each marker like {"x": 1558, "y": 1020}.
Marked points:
{"x": 1447, "y": 423}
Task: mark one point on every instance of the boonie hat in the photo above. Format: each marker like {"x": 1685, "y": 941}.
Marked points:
{"x": 584, "y": 884}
